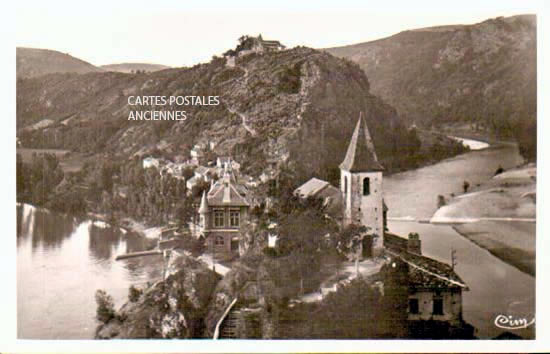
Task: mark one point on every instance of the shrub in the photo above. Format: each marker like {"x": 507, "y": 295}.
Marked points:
{"x": 441, "y": 201}
{"x": 289, "y": 79}
{"x": 105, "y": 306}
{"x": 134, "y": 293}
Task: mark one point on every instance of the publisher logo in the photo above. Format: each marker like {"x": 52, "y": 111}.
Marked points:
{"x": 511, "y": 322}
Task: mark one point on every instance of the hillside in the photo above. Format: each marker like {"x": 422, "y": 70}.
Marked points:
{"x": 483, "y": 75}
{"x": 133, "y": 67}
{"x": 32, "y": 62}
{"x": 298, "y": 105}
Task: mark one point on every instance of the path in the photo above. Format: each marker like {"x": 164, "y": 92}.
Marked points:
{"x": 366, "y": 268}
{"x": 219, "y": 268}
{"x": 244, "y": 83}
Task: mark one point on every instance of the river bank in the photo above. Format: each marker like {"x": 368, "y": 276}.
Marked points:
{"x": 499, "y": 215}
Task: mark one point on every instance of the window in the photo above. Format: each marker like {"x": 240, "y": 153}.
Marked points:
{"x": 413, "y": 306}
{"x": 219, "y": 241}
{"x": 438, "y": 306}
{"x": 234, "y": 217}
{"x": 218, "y": 218}
{"x": 366, "y": 186}
{"x": 345, "y": 185}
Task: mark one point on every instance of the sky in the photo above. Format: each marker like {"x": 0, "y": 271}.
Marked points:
{"x": 184, "y": 33}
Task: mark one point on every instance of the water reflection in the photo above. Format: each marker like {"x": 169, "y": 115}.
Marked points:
{"x": 61, "y": 262}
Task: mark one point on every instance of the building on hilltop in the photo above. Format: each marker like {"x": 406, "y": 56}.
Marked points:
{"x": 248, "y": 45}
{"x": 262, "y": 45}
{"x": 223, "y": 209}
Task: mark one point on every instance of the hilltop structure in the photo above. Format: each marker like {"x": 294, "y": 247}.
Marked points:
{"x": 262, "y": 45}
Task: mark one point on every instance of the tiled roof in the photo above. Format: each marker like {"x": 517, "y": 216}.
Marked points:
{"x": 361, "y": 156}
{"x": 225, "y": 193}
{"x": 428, "y": 273}
{"x": 271, "y": 43}
{"x": 311, "y": 187}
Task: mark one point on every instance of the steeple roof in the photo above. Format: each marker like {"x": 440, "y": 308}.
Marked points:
{"x": 361, "y": 156}
{"x": 204, "y": 204}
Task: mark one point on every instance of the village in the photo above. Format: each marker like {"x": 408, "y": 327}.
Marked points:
{"x": 225, "y": 221}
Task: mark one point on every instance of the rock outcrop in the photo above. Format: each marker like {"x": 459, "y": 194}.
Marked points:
{"x": 171, "y": 308}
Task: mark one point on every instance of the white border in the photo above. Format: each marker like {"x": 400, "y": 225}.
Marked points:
{"x": 8, "y": 245}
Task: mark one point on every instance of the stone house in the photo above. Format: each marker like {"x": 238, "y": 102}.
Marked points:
{"x": 223, "y": 210}
{"x": 434, "y": 305}
{"x": 262, "y": 45}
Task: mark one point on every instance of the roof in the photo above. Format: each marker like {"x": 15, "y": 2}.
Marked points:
{"x": 193, "y": 180}
{"x": 225, "y": 193}
{"x": 311, "y": 187}
{"x": 428, "y": 273}
{"x": 271, "y": 43}
{"x": 204, "y": 204}
{"x": 361, "y": 156}
{"x": 201, "y": 170}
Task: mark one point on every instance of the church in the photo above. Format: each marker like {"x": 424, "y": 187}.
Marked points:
{"x": 434, "y": 288}
{"x": 360, "y": 198}
{"x": 361, "y": 184}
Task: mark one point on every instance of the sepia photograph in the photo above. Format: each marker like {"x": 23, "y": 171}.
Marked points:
{"x": 215, "y": 172}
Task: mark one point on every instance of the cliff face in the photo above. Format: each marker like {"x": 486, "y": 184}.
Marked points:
{"x": 299, "y": 104}
{"x": 483, "y": 73}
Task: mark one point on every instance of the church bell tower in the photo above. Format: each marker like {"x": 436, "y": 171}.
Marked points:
{"x": 361, "y": 183}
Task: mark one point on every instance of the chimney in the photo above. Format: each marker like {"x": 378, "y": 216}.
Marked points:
{"x": 414, "y": 243}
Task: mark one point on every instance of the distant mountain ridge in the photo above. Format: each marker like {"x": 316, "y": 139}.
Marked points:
{"x": 482, "y": 74}
{"x": 298, "y": 105}
{"x": 134, "y": 67}
{"x": 33, "y": 62}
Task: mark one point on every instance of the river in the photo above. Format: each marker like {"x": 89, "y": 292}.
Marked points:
{"x": 494, "y": 287}
{"x": 61, "y": 261}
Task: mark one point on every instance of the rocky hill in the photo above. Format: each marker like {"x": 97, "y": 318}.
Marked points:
{"x": 298, "y": 105}
{"x": 133, "y": 67}
{"x": 482, "y": 74}
{"x": 32, "y": 62}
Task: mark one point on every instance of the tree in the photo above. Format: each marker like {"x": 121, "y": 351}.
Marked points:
{"x": 356, "y": 311}
{"x": 301, "y": 238}
{"x": 105, "y": 306}
{"x": 350, "y": 241}
{"x": 185, "y": 211}
{"x": 187, "y": 173}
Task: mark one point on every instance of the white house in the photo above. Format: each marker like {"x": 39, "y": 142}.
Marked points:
{"x": 149, "y": 162}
